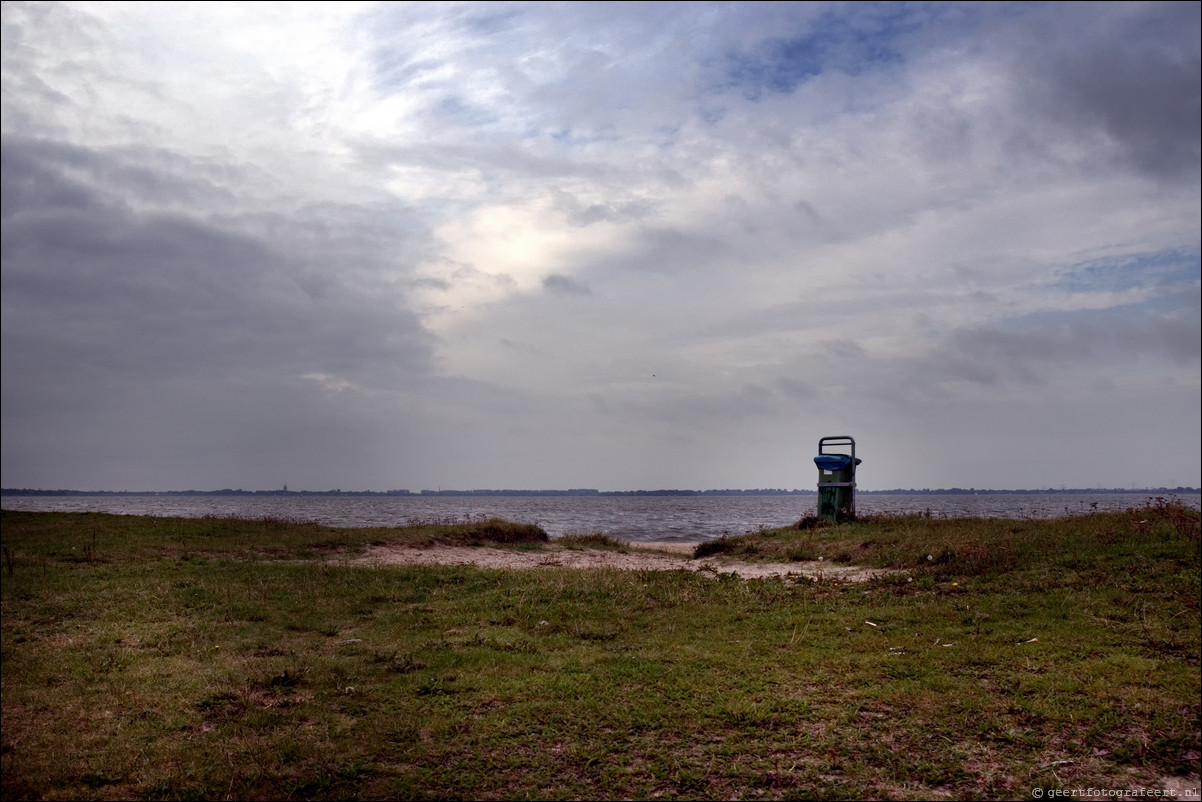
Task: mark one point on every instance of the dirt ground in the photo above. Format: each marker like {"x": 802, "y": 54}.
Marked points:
{"x": 640, "y": 557}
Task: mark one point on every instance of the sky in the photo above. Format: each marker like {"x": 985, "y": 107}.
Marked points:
{"x": 608, "y": 245}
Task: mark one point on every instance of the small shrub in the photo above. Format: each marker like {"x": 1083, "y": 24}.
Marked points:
{"x": 593, "y": 541}
{"x": 497, "y": 530}
{"x": 722, "y": 545}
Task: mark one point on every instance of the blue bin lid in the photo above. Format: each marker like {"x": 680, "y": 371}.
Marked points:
{"x": 832, "y": 462}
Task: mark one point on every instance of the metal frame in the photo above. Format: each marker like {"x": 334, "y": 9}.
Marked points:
{"x": 841, "y": 440}
{"x": 838, "y": 440}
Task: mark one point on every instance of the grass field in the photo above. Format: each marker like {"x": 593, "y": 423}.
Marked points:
{"x": 158, "y": 658}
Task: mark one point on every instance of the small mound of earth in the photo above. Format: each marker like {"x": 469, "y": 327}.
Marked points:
{"x": 641, "y": 557}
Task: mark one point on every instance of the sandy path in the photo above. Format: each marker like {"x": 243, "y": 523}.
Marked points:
{"x": 641, "y": 557}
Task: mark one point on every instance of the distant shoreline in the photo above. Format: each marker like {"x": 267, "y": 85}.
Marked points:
{"x": 591, "y": 492}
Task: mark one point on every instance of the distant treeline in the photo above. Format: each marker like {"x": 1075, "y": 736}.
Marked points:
{"x": 587, "y": 492}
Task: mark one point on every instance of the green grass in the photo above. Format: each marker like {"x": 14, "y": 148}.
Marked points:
{"x": 596, "y": 542}
{"x": 164, "y": 658}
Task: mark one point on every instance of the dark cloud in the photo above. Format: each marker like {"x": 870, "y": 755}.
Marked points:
{"x": 1129, "y": 71}
{"x": 566, "y": 285}
{"x": 995, "y": 355}
{"x": 844, "y": 349}
{"x": 145, "y": 323}
{"x": 796, "y": 389}
{"x": 96, "y": 274}
{"x": 613, "y": 209}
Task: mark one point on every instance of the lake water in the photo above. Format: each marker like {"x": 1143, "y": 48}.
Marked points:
{"x": 636, "y": 518}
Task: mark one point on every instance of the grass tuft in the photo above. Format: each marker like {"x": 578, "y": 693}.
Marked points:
{"x": 593, "y": 541}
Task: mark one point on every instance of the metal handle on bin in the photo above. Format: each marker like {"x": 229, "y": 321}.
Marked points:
{"x": 840, "y": 440}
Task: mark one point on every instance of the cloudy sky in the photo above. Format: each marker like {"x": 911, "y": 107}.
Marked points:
{"x": 612, "y": 245}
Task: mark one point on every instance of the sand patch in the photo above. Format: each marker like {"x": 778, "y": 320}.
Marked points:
{"x": 641, "y": 557}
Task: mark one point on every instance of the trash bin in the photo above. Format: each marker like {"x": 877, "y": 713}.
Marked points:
{"x": 837, "y": 478}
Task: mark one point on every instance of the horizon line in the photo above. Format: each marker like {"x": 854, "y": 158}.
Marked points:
{"x": 402, "y": 492}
